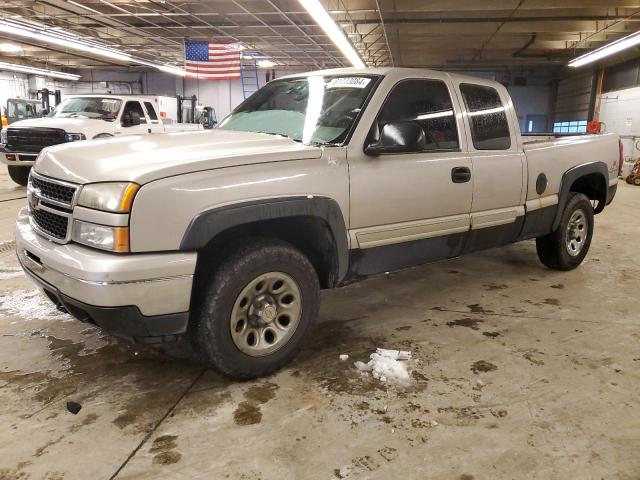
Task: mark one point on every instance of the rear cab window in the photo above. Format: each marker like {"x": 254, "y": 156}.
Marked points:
{"x": 153, "y": 117}
{"x": 487, "y": 117}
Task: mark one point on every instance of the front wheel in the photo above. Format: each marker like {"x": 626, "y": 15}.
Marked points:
{"x": 20, "y": 175}
{"x": 256, "y": 309}
{"x": 566, "y": 247}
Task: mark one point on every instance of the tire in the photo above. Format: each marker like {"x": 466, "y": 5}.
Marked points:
{"x": 220, "y": 314}
{"x": 557, "y": 250}
{"x": 636, "y": 181}
{"x": 20, "y": 175}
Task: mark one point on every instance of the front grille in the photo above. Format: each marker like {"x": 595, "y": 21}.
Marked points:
{"x": 50, "y": 223}
{"x": 53, "y": 191}
{"x": 33, "y": 139}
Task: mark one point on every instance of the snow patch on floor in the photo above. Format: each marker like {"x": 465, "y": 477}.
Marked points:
{"x": 391, "y": 366}
{"x": 29, "y": 305}
{"x": 9, "y": 273}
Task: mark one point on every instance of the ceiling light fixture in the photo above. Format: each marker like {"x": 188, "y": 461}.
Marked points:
{"x": 66, "y": 39}
{"x": 12, "y": 67}
{"x": 322, "y": 18}
{"x": 265, "y": 63}
{"x": 61, "y": 39}
{"x": 606, "y": 50}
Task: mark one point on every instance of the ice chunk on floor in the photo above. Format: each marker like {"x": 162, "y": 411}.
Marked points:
{"x": 390, "y": 366}
{"x": 344, "y": 357}
{"x": 29, "y": 305}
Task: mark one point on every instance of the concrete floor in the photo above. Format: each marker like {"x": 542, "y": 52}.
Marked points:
{"x": 555, "y": 395}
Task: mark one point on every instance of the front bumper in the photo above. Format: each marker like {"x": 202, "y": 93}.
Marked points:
{"x": 20, "y": 159}
{"x": 144, "y": 297}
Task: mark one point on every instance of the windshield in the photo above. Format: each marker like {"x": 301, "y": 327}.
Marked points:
{"x": 88, "y": 107}
{"x": 312, "y": 110}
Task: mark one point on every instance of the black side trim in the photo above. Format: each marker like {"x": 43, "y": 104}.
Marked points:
{"x": 491, "y": 237}
{"x": 370, "y": 261}
{"x": 538, "y": 223}
{"x": 573, "y": 174}
{"x": 207, "y": 225}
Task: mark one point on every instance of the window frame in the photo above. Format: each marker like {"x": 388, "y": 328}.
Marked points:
{"x": 421, "y": 152}
{"x": 470, "y": 122}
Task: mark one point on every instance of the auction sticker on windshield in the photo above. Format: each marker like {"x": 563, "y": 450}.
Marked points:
{"x": 348, "y": 82}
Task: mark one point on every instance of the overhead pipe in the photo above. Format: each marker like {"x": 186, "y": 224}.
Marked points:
{"x": 530, "y": 42}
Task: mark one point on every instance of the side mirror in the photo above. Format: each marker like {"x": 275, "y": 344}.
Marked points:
{"x": 398, "y": 137}
{"x": 130, "y": 119}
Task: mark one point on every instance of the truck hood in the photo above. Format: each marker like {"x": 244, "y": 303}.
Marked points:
{"x": 144, "y": 158}
{"x": 88, "y": 126}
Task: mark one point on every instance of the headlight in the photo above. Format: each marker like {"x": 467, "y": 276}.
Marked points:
{"x": 74, "y": 137}
{"x": 113, "y": 239}
{"x": 3, "y": 136}
{"x": 114, "y": 197}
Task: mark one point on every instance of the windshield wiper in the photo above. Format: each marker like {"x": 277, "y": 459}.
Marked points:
{"x": 281, "y": 135}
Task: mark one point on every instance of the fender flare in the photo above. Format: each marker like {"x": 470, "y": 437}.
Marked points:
{"x": 573, "y": 174}
{"x": 102, "y": 135}
{"x": 205, "y": 226}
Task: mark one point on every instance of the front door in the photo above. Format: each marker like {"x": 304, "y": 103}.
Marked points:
{"x": 133, "y": 107}
{"x": 413, "y": 207}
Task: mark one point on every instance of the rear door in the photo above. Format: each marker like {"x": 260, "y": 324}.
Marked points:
{"x": 497, "y": 209}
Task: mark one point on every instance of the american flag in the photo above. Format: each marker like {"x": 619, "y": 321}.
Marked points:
{"x": 212, "y": 60}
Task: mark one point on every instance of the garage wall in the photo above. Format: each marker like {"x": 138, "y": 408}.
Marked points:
{"x": 532, "y": 103}
{"x": 620, "y": 112}
{"x": 14, "y": 85}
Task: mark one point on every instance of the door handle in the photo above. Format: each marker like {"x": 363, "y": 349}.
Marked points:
{"x": 460, "y": 174}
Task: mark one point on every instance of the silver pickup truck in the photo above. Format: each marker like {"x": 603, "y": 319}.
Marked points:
{"x": 227, "y": 236}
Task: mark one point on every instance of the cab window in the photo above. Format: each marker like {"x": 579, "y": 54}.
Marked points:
{"x": 131, "y": 107}
{"x": 487, "y": 117}
{"x": 427, "y": 103}
{"x": 151, "y": 112}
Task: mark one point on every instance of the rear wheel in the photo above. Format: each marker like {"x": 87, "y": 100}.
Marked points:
{"x": 636, "y": 181}
{"x": 566, "y": 247}
{"x": 256, "y": 309}
{"x": 20, "y": 175}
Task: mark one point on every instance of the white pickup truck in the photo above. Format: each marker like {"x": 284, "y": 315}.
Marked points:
{"x": 228, "y": 235}
{"x": 82, "y": 117}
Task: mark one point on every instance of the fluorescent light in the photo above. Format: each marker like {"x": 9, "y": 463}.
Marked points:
{"x": 171, "y": 69}
{"x": 65, "y": 39}
{"x": 10, "y": 47}
{"x": 12, "y": 67}
{"x": 322, "y": 18}
{"x": 606, "y": 50}
{"x": 266, "y": 63}
{"x": 61, "y": 40}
